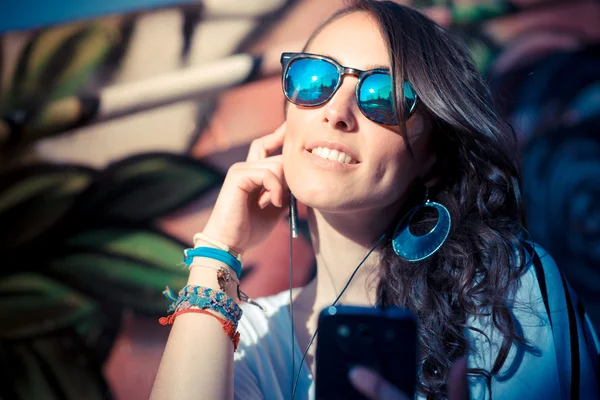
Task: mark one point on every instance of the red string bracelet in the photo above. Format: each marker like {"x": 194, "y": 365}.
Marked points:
{"x": 228, "y": 327}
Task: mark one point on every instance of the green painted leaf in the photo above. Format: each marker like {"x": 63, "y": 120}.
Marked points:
{"x": 145, "y": 187}
{"x": 61, "y": 60}
{"x": 89, "y": 53}
{"x": 126, "y": 282}
{"x": 148, "y": 247}
{"x": 33, "y": 305}
{"x": 42, "y": 52}
{"x": 36, "y": 200}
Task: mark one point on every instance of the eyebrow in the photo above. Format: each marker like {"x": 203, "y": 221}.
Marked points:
{"x": 377, "y": 66}
{"x": 367, "y": 68}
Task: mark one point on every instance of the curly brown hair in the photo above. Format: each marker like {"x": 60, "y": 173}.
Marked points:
{"x": 476, "y": 271}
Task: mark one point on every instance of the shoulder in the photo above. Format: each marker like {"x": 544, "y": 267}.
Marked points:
{"x": 559, "y": 339}
{"x": 542, "y": 272}
{"x": 553, "y": 294}
{"x": 540, "y": 289}
{"x": 576, "y": 344}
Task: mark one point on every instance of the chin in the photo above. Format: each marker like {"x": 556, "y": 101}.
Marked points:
{"x": 325, "y": 198}
{"x": 316, "y": 194}
{"x": 322, "y": 189}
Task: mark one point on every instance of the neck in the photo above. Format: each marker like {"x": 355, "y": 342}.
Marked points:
{"x": 341, "y": 242}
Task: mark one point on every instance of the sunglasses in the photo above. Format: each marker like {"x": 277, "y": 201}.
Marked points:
{"x": 310, "y": 80}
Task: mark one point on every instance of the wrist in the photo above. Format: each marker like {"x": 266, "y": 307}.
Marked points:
{"x": 218, "y": 239}
{"x": 207, "y": 277}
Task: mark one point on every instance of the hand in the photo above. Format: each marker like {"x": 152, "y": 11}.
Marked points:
{"x": 374, "y": 387}
{"x": 253, "y": 196}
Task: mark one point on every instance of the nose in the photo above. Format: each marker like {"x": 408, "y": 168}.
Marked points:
{"x": 340, "y": 111}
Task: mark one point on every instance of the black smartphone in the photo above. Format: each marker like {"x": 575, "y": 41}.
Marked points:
{"x": 384, "y": 340}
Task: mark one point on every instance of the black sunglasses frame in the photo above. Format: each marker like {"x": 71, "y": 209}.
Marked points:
{"x": 288, "y": 58}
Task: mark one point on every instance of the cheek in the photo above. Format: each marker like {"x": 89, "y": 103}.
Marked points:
{"x": 291, "y": 141}
{"x": 395, "y": 170}
{"x": 390, "y": 156}
{"x": 396, "y": 165}
{"x": 394, "y": 174}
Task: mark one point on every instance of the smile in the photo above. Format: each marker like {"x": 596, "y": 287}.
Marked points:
{"x": 333, "y": 155}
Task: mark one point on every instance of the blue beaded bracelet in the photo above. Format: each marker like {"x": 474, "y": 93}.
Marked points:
{"x": 203, "y": 298}
{"x": 215, "y": 254}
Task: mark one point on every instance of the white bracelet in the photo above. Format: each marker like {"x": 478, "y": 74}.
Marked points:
{"x": 200, "y": 236}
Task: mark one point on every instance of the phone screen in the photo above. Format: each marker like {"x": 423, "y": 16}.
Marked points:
{"x": 384, "y": 340}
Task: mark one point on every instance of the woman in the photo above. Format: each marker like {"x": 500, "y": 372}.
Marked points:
{"x": 361, "y": 162}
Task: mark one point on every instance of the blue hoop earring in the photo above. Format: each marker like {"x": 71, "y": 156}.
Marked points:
{"x": 417, "y": 248}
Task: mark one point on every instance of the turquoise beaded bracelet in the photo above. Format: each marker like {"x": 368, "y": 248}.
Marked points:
{"x": 203, "y": 297}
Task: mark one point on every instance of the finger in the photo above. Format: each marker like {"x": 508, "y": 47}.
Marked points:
{"x": 269, "y": 161}
{"x": 273, "y": 191}
{"x": 458, "y": 387}
{"x": 252, "y": 180}
{"x": 260, "y": 148}
{"x": 373, "y": 386}
{"x": 278, "y": 158}
{"x": 273, "y": 164}
{"x": 257, "y": 150}
{"x": 275, "y": 139}
{"x": 264, "y": 199}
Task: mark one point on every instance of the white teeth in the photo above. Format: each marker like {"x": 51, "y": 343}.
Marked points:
{"x": 333, "y": 155}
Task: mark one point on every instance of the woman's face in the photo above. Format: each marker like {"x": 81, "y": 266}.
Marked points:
{"x": 382, "y": 168}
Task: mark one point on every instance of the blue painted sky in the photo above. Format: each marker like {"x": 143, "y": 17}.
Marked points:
{"x": 27, "y": 14}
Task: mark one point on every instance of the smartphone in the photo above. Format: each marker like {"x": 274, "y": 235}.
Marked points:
{"x": 384, "y": 340}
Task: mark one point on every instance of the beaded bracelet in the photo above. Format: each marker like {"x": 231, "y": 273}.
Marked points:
{"x": 203, "y": 297}
{"x": 223, "y": 278}
{"x": 229, "y": 328}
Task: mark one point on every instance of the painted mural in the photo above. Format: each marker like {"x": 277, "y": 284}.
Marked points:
{"x": 116, "y": 133}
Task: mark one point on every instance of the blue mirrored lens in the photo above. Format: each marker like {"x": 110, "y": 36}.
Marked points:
{"x": 310, "y": 82}
{"x": 376, "y": 99}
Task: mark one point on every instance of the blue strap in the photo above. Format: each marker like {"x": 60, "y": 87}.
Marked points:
{"x": 215, "y": 254}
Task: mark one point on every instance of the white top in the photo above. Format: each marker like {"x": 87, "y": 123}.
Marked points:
{"x": 263, "y": 361}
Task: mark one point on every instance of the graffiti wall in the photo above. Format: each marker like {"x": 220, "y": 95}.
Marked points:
{"x": 116, "y": 133}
